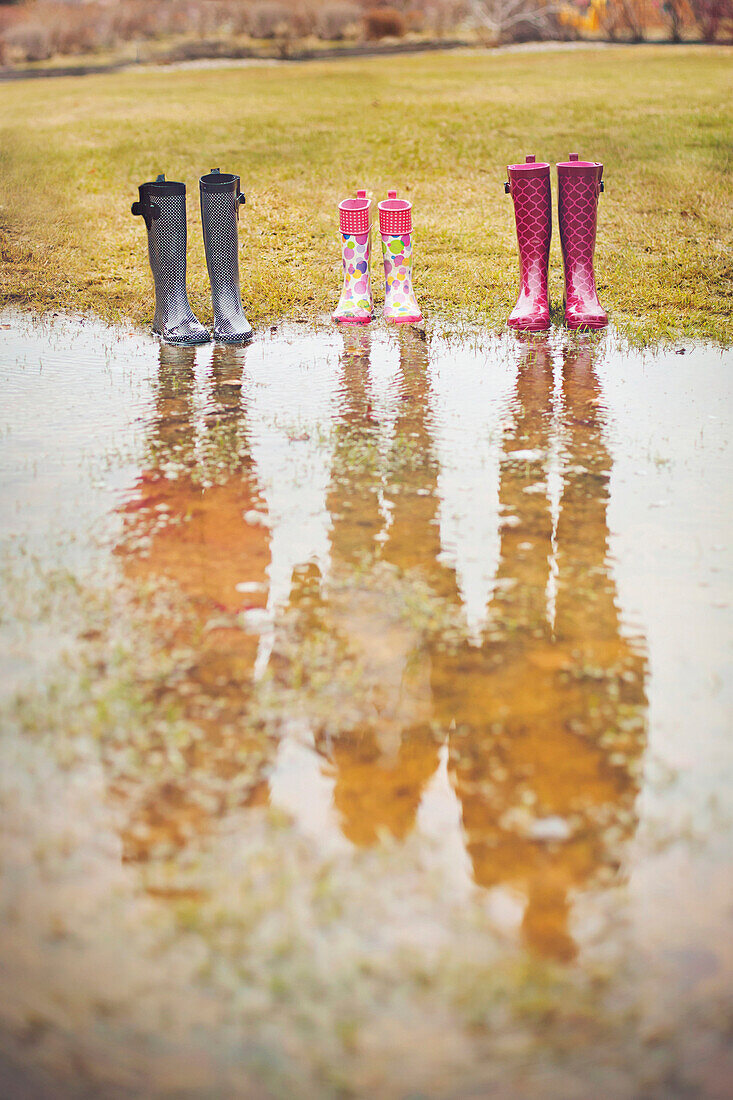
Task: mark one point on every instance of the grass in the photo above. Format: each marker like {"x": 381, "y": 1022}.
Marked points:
{"x": 439, "y": 128}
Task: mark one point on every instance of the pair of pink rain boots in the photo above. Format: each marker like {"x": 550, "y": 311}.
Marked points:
{"x": 356, "y": 305}
{"x": 579, "y": 183}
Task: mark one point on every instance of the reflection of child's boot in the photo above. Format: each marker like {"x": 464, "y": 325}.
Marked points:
{"x": 529, "y": 186}
{"x": 395, "y": 227}
{"x": 579, "y": 183}
{"x": 355, "y": 304}
{"x": 357, "y": 342}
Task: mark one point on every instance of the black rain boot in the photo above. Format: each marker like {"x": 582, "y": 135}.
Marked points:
{"x": 162, "y": 205}
{"x": 220, "y": 202}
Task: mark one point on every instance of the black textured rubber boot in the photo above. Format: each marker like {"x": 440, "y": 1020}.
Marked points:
{"x": 220, "y": 202}
{"x": 162, "y": 205}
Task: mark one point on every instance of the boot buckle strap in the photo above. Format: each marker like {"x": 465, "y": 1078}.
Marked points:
{"x": 147, "y": 210}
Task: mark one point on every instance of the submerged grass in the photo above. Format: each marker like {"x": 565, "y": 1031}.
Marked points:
{"x": 440, "y": 128}
{"x": 278, "y": 969}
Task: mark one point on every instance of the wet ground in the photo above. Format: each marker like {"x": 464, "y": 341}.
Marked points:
{"x": 365, "y": 716}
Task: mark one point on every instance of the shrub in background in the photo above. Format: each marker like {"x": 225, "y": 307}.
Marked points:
{"x": 337, "y": 21}
{"x": 267, "y": 19}
{"x": 384, "y": 23}
{"x": 31, "y": 41}
{"x": 503, "y": 21}
{"x": 442, "y": 16}
{"x": 714, "y": 18}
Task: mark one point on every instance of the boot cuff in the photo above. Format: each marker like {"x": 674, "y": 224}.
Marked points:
{"x": 395, "y": 217}
{"x": 162, "y": 187}
{"x": 355, "y": 215}
{"x": 219, "y": 181}
{"x": 591, "y": 169}
{"x": 529, "y": 170}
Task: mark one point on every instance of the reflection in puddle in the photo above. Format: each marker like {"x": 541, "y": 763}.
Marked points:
{"x": 369, "y": 581}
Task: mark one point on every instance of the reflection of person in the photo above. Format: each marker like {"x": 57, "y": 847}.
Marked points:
{"x": 189, "y": 531}
{"x": 548, "y": 716}
{"x": 384, "y": 543}
{"x": 545, "y": 716}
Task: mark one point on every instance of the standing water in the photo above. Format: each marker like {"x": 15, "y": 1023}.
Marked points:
{"x": 365, "y": 708}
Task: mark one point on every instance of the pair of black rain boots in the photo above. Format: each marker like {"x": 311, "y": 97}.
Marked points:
{"x": 162, "y": 205}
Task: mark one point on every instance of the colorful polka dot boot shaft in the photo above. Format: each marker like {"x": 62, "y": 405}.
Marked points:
{"x": 579, "y": 183}
{"x": 355, "y": 222}
{"x": 529, "y": 186}
{"x": 162, "y": 206}
{"x": 395, "y": 227}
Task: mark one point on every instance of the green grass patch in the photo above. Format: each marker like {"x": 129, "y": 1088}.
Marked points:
{"x": 440, "y": 128}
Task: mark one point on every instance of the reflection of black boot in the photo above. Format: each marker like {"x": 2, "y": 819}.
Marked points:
{"x": 220, "y": 202}
{"x": 173, "y": 437}
{"x": 162, "y": 204}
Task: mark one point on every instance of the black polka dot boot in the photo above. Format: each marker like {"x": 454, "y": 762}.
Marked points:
{"x": 220, "y": 202}
{"x": 162, "y": 205}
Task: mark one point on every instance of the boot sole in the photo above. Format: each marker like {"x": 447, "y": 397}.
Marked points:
{"x": 182, "y": 343}
{"x": 237, "y": 341}
{"x": 541, "y": 326}
{"x": 575, "y": 325}
{"x": 352, "y": 320}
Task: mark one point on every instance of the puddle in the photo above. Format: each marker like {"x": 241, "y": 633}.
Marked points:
{"x": 365, "y": 707}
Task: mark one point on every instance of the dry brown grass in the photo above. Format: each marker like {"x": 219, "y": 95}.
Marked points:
{"x": 443, "y": 126}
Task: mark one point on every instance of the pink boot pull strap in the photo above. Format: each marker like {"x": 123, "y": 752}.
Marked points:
{"x": 395, "y": 216}
{"x": 355, "y": 214}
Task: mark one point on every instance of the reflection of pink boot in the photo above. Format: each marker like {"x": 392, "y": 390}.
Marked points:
{"x": 579, "y": 183}
{"x": 355, "y": 304}
{"x": 529, "y": 186}
{"x": 395, "y": 227}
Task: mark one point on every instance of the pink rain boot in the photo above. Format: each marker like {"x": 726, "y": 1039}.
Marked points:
{"x": 579, "y": 183}
{"x": 355, "y": 222}
{"x": 395, "y": 226}
{"x": 529, "y": 186}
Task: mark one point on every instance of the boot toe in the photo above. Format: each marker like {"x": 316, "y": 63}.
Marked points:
{"x": 186, "y": 335}
{"x": 233, "y": 336}
{"x": 536, "y": 320}
{"x": 594, "y": 318}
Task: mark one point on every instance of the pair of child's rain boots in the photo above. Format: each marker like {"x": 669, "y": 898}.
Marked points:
{"x": 579, "y": 183}
{"x": 356, "y": 305}
{"x": 162, "y": 204}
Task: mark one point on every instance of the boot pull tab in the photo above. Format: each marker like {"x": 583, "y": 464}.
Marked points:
{"x": 530, "y": 158}
{"x": 391, "y": 194}
{"x": 146, "y": 209}
{"x": 574, "y": 156}
{"x": 160, "y": 178}
{"x": 214, "y": 172}
{"x": 361, "y": 194}
{"x": 507, "y": 187}
{"x": 239, "y": 200}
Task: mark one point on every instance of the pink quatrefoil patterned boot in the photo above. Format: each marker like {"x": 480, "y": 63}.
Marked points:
{"x": 355, "y": 305}
{"x": 529, "y": 186}
{"x": 579, "y": 183}
{"x": 395, "y": 227}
